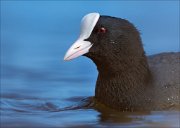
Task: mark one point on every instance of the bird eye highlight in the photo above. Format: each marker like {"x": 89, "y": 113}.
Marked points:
{"x": 102, "y": 30}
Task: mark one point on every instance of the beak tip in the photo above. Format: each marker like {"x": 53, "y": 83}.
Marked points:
{"x": 75, "y": 52}
{"x": 65, "y": 59}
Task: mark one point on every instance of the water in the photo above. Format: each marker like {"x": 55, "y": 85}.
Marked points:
{"x": 34, "y": 98}
{"x": 36, "y": 84}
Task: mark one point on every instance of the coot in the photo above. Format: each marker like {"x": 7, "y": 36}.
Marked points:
{"x": 127, "y": 79}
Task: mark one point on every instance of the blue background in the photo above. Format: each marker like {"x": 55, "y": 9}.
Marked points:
{"x": 39, "y": 33}
{"x": 35, "y": 80}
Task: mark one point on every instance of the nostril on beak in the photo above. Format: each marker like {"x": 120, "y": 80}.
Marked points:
{"x": 77, "y": 47}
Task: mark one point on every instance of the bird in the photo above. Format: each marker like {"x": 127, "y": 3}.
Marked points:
{"x": 127, "y": 80}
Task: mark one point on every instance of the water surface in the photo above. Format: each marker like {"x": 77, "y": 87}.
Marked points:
{"x": 35, "y": 98}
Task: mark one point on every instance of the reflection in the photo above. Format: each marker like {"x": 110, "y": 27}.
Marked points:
{"x": 108, "y": 115}
{"x": 120, "y": 117}
{"x": 86, "y": 109}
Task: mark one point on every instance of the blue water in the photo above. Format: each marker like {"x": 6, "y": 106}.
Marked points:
{"x": 32, "y": 98}
{"x": 36, "y": 84}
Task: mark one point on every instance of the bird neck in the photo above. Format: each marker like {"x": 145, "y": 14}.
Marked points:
{"x": 123, "y": 83}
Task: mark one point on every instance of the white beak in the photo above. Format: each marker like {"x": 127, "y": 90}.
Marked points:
{"x": 81, "y": 47}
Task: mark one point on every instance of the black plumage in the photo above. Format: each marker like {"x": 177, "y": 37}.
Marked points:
{"x": 126, "y": 81}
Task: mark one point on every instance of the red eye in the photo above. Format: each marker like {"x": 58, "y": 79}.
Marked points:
{"x": 102, "y": 30}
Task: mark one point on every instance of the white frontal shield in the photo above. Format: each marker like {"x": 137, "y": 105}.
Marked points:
{"x": 81, "y": 47}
